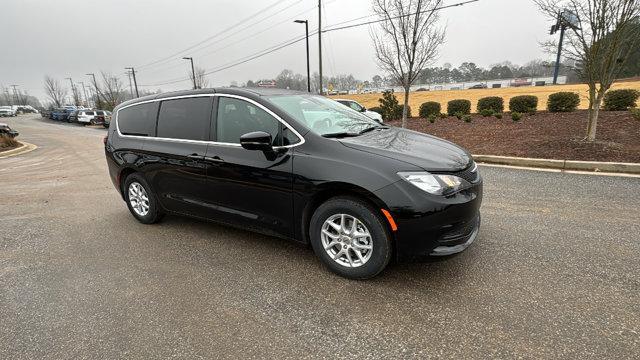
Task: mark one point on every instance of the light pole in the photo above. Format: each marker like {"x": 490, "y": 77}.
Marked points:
{"x": 73, "y": 92}
{"x": 135, "y": 83}
{"x": 15, "y": 92}
{"x": 193, "y": 71}
{"x": 306, "y": 29}
{"x": 130, "y": 84}
{"x": 97, "y": 103}
{"x": 84, "y": 90}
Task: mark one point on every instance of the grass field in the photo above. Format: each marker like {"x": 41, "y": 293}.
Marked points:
{"x": 443, "y": 96}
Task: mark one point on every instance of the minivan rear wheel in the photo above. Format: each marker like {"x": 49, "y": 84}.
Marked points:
{"x": 141, "y": 200}
{"x": 350, "y": 238}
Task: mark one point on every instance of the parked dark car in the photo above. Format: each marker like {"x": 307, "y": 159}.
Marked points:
{"x": 479, "y": 86}
{"x": 45, "y": 114}
{"x": 297, "y": 166}
{"x": 7, "y": 131}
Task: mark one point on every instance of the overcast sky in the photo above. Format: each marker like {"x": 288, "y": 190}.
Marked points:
{"x": 69, "y": 38}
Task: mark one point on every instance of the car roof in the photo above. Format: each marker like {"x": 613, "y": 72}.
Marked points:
{"x": 247, "y": 92}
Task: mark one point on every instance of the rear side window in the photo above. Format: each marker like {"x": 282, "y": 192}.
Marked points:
{"x": 89, "y": 113}
{"x": 138, "y": 119}
{"x": 188, "y": 118}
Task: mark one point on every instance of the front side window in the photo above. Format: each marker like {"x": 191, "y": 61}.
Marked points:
{"x": 237, "y": 117}
{"x": 139, "y": 119}
{"x": 187, "y": 118}
{"x": 322, "y": 115}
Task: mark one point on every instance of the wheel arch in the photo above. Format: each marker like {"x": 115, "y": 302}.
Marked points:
{"x": 337, "y": 189}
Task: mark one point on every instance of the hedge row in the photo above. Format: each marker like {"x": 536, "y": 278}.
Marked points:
{"x": 390, "y": 109}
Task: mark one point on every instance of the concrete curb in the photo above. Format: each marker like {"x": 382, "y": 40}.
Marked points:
{"x": 595, "y": 166}
{"x": 22, "y": 149}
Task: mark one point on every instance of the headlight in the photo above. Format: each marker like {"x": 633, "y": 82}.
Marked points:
{"x": 437, "y": 184}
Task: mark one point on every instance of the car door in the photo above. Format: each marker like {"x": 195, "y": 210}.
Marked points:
{"x": 247, "y": 187}
{"x": 174, "y": 157}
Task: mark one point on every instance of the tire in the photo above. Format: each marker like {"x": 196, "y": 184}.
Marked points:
{"x": 338, "y": 210}
{"x": 153, "y": 214}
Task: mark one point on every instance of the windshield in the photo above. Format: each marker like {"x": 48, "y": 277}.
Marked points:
{"x": 322, "y": 115}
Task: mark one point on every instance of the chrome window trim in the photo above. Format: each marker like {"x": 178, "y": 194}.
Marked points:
{"x": 302, "y": 140}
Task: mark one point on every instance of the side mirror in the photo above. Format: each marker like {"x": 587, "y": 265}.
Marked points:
{"x": 257, "y": 140}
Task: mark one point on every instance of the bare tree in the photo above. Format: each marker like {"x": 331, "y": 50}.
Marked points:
{"x": 112, "y": 90}
{"x": 407, "y": 40}
{"x": 54, "y": 90}
{"x": 201, "y": 77}
{"x": 600, "y": 36}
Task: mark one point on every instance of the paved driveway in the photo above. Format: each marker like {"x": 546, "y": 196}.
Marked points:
{"x": 554, "y": 273}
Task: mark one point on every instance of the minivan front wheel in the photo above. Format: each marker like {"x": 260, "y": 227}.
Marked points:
{"x": 141, "y": 200}
{"x": 350, "y": 238}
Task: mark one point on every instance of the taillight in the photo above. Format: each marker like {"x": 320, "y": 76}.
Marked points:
{"x": 104, "y": 140}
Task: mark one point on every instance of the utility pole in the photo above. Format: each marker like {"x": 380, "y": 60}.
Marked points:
{"x": 73, "y": 92}
{"x": 130, "y": 85}
{"x": 566, "y": 18}
{"x": 193, "y": 72}
{"x": 135, "y": 83}
{"x": 306, "y": 29}
{"x": 95, "y": 85}
{"x": 320, "y": 42}
{"x": 84, "y": 90}
{"x": 15, "y": 92}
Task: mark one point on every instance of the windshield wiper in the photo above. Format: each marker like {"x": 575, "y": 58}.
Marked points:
{"x": 339, "y": 134}
{"x": 366, "y": 130}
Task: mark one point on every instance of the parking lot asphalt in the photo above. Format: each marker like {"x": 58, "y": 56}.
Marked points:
{"x": 554, "y": 273}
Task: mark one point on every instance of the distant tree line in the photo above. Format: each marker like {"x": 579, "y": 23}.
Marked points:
{"x": 466, "y": 72}
{"x": 18, "y": 97}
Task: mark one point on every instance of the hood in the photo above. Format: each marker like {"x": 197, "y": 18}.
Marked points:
{"x": 425, "y": 151}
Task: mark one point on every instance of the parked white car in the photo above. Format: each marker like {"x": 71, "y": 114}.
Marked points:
{"x": 7, "y": 111}
{"x": 359, "y": 108}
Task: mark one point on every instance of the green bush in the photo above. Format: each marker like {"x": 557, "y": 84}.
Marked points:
{"x": 389, "y": 107}
{"x": 516, "y": 116}
{"x": 432, "y": 118}
{"x": 458, "y": 106}
{"x": 523, "y": 104}
{"x": 493, "y": 103}
{"x": 466, "y": 118}
{"x": 429, "y": 108}
{"x": 443, "y": 116}
{"x": 486, "y": 112}
{"x": 499, "y": 116}
{"x": 563, "y": 101}
{"x": 619, "y": 100}
{"x": 635, "y": 113}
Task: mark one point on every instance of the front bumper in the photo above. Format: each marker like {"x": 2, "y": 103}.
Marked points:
{"x": 430, "y": 225}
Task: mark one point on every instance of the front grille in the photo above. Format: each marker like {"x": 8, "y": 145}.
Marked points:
{"x": 470, "y": 173}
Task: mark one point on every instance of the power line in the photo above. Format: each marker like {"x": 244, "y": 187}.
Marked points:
{"x": 399, "y": 16}
{"x": 298, "y": 39}
{"x": 212, "y": 36}
{"x": 242, "y": 60}
{"x": 236, "y": 42}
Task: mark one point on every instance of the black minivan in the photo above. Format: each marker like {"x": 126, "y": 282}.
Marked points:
{"x": 297, "y": 166}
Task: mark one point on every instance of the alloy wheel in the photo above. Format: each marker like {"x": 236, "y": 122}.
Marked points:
{"x": 138, "y": 199}
{"x": 347, "y": 240}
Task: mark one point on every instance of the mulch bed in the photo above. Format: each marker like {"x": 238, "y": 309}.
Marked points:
{"x": 543, "y": 135}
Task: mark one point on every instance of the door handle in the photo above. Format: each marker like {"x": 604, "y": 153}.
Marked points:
{"x": 213, "y": 158}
